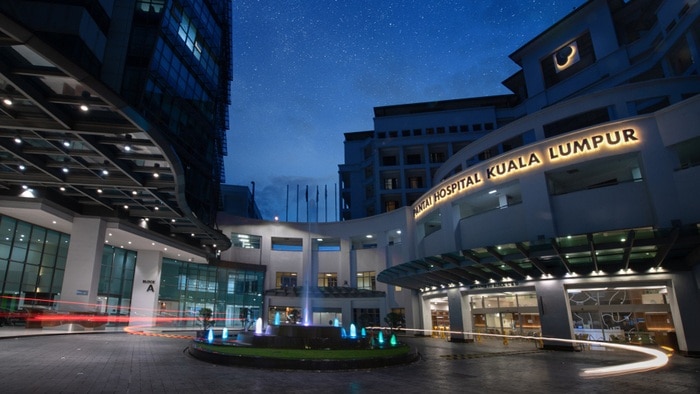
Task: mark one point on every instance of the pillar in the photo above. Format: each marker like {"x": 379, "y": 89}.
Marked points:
{"x": 460, "y": 321}
{"x": 555, "y": 313}
{"x": 144, "y": 293}
{"x": 82, "y": 275}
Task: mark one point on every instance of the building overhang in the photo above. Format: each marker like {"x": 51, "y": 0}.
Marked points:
{"x": 615, "y": 252}
{"x": 67, "y": 138}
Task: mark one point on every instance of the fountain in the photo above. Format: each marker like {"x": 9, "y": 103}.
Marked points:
{"x": 315, "y": 346}
{"x": 277, "y": 318}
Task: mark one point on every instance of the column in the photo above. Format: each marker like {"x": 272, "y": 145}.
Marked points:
{"x": 459, "y": 316}
{"x": 82, "y": 274}
{"x": 144, "y": 293}
{"x": 555, "y": 313}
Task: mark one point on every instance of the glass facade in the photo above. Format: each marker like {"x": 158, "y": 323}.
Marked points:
{"x": 116, "y": 283}
{"x": 639, "y": 315}
{"x": 32, "y": 263}
{"x": 234, "y": 294}
{"x": 509, "y": 313}
{"x": 178, "y": 74}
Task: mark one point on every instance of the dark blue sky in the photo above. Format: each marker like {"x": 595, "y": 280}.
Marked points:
{"x": 307, "y": 71}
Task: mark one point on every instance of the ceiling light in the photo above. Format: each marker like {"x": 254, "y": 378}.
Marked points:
{"x": 22, "y": 167}
{"x": 66, "y": 143}
{"x": 126, "y": 207}
{"x": 134, "y": 192}
{"x": 63, "y": 189}
{"x": 18, "y": 140}
{"x": 99, "y": 191}
{"x": 65, "y": 170}
{"x": 84, "y": 107}
{"x": 105, "y": 172}
{"x": 7, "y": 101}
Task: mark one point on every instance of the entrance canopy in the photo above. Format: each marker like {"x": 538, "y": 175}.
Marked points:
{"x": 622, "y": 251}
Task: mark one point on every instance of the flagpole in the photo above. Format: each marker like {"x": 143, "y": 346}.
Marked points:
{"x": 307, "y": 203}
{"x": 297, "y": 202}
{"x": 286, "y": 206}
{"x": 325, "y": 204}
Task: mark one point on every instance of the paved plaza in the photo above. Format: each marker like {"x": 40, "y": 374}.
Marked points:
{"x": 116, "y": 362}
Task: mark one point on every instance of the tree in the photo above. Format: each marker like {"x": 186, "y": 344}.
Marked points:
{"x": 206, "y": 317}
{"x": 395, "y": 320}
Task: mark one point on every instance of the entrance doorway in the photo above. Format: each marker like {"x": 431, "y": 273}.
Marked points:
{"x": 638, "y": 315}
{"x": 506, "y": 313}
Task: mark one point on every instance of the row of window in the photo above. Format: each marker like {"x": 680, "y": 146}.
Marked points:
{"x": 436, "y": 130}
{"x": 364, "y": 280}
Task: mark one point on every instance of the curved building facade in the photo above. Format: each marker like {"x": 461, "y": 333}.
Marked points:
{"x": 572, "y": 215}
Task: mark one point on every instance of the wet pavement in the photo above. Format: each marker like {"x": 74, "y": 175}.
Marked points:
{"x": 116, "y": 362}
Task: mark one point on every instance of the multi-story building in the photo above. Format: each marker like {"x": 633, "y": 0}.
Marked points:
{"x": 393, "y": 165}
{"x": 575, "y": 217}
{"x": 111, "y": 141}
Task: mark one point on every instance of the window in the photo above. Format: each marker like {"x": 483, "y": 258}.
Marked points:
{"x": 415, "y": 182}
{"x": 389, "y": 161}
{"x": 285, "y": 279}
{"x": 430, "y": 224}
{"x": 327, "y": 279}
{"x": 366, "y": 280}
{"x": 391, "y": 183}
{"x": 390, "y": 205}
{"x": 413, "y": 158}
{"x": 688, "y": 152}
{"x": 366, "y": 317}
{"x": 245, "y": 241}
{"x": 497, "y": 197}
{"x": 437, "y": 157}
{"x": 188, "y": 34}
{"x": 594, "y": 174}
{"x": 327, "y": 244}
{"x": 287, "y": 244}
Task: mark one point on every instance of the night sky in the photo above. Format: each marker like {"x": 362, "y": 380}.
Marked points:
{"x": 307, "y": 71}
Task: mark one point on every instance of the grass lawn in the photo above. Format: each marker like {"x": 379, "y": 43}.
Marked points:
{"x": 304, "y": 354}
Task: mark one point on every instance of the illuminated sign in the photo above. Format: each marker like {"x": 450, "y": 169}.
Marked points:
{"x": 566, "y": 57}
{"x": 554, "y": 153}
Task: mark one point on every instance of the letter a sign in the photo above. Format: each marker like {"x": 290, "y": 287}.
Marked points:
{"x": 150, "y": 288}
